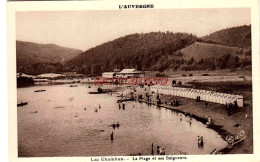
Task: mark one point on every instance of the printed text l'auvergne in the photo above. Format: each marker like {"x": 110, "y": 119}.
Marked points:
{"x": 136, "y": 6}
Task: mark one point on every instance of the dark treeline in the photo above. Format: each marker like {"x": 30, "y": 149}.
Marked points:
{"x": 227, "y": 61}
{"x": 42, "y": 67}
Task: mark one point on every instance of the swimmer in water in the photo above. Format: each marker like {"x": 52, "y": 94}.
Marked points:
{"x": 114, "y": 125}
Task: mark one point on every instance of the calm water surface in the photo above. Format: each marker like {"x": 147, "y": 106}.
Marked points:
{"x": 62, "y": 127}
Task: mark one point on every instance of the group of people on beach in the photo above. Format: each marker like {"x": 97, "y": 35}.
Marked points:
{"x": 175, "y": 102}
{"x": 232, "y": 108}
{"x": 198, "y": 99}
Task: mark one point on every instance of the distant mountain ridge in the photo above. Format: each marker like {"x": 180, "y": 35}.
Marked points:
{"x": 159, "y": 51}
{"x": 29, "y": 55}
{"x": 156, "y": 51}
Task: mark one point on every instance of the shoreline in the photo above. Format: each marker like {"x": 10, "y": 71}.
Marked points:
{"x": 217, "y": 128}
{"x": 223, "y": 124}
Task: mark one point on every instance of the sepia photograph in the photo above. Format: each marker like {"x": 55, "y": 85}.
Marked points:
{"x": 134, "y": 82}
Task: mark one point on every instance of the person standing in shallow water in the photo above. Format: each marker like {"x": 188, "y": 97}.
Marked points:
{"x": 198, "y": 141}
{"x": 152, "y": 148}
{"x": 112, "y": 136}
{"x": 201, "y": 141}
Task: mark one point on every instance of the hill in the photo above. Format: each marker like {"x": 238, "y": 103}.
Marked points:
{"x": 38, "y": 58}
{"x": 142, "y": 51}
{"x": 159, "y": 51}
{"x": 200, "y": 50}
{"x": 207, "y": 56}
{"x": 235, "y": 36}
{"x": 156, "y": 51}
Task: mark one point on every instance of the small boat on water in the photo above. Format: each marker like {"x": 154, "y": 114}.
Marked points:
{"x": 22, "y": 104}
{"x": 40, "y": 90}
{"x": 95, "y": 92}
{"x": 125, "y": 100}
{"x": 73, "y": 85}
{"x": 100, "y": 91}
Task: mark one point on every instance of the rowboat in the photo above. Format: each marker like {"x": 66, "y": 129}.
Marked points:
{"x": 41, "y": 90}
{"x": 22, "y": 104}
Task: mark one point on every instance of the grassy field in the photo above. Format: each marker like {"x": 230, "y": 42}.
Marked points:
{"x": 205, "y": 50}
{"x": 222, "y": 72}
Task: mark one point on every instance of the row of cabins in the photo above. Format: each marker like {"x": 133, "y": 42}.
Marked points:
{"x": 210, "y": 96}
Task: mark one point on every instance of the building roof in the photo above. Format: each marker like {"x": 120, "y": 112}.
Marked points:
{"x": 127, "y": 71}
{"x": 49, "y": 75}
{"x": 109, "y": 73}
{"x": 130, "y": 71}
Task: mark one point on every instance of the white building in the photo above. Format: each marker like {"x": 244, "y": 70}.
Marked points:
{"x": 50, "y": 75}
{"x": 109, "y": 74}
{"x": 128, "y": 73}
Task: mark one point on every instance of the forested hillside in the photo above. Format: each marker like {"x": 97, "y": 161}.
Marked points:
{"x": 37, "y": 58}
{"x": 141, "y": 51}
{"x": 235, "y": 36}
{"x": 159, "y": 51}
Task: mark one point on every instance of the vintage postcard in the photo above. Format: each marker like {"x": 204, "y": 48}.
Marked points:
{"x": 133, "y": 80}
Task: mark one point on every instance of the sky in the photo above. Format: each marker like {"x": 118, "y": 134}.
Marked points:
{"x": 86, "y": 29}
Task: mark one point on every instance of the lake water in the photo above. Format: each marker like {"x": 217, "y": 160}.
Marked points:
{"x": 62, "y": 127}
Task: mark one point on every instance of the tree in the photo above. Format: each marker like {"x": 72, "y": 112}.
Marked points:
{"x": 191, "y": 61}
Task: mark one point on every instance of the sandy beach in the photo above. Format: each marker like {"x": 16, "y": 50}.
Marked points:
{"x": 223, "y": 124}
